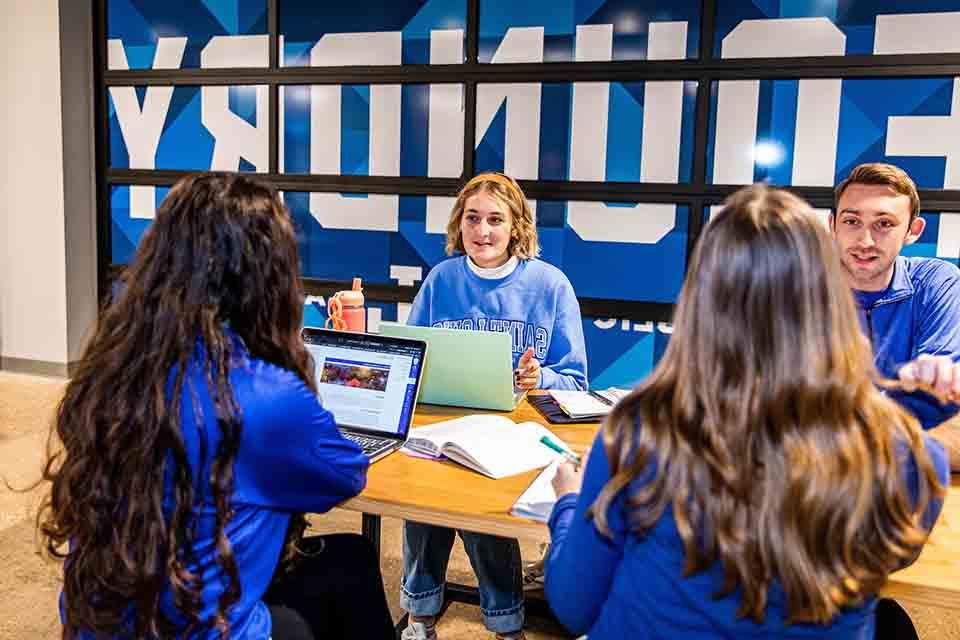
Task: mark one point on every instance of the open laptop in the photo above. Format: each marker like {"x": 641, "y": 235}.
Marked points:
{"x": 370, "y": 384}
{"x": 465, "y": 368}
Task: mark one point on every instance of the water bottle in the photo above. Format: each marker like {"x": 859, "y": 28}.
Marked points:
{"x": 345, "y": 310}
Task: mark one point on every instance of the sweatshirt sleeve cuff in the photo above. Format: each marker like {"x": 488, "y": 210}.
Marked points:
{"x": 563, "y": 510}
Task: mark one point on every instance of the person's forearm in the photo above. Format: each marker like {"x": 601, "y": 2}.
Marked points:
{"x": 948, "y": 434}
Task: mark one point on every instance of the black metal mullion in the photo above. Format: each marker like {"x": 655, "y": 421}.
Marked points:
{"x": 101, "y": 135}
{"x": 273, "y": 100}
{"x": 860, "y": 66}
{"x": 470, "y": 90}
{"x": 688, "y": 194}
{"x": 701, "y": 129}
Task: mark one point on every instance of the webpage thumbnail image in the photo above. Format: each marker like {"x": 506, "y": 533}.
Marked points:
{"x": 359, "y": 376}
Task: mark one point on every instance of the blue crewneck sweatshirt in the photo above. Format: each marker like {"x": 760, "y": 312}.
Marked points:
{"x": 292, "y": 459}
{"x": 535, "y": 304}
{"x": 633, "y": 587}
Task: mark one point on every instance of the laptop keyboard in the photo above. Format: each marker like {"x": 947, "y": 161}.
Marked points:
{"x": 370, "y": 445}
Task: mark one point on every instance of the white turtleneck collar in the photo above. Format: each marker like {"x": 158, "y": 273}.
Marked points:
{"x": 494, "y": 273}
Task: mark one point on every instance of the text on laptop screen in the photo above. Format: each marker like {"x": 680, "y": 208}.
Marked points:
{"x": 365, "y": 383}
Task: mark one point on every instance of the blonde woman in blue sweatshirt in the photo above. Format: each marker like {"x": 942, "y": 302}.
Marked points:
{"x": 498, "y": 284}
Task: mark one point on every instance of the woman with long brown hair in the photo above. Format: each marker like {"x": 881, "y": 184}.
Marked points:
{"x": 758, "y": 483}
{"x": 191, "y": 438}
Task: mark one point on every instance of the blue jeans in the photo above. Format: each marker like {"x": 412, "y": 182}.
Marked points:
{"x": 495, "y": 560}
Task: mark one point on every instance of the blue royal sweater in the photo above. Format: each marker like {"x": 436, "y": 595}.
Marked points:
{"x": 535, "y": 304}
{"x": 919, "y": 313}
{"x": 633, "y": 587}
{"x": 292, "y": 459}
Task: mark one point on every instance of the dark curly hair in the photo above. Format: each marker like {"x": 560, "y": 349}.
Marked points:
{"x": 221, "y": 253}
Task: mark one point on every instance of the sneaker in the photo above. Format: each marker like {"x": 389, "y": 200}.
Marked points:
{"x": 533, "y": 577}
{"x": 419, "y": 631}
{"x": 533, "y": 571}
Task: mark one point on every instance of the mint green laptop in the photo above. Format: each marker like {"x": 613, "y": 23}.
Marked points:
{"x": 464, "y": 368}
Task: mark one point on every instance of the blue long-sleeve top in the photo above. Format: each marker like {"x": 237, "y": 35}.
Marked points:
{"x": 291, "y": 459}
{"x": 535, "y": 304}
{"x": 633, "y": 587}
{"x": 918, "y": 313}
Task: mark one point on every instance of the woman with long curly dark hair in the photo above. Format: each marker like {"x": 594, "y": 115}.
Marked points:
{"x": 758, "y": 483}
{"x": 190, "y": 441}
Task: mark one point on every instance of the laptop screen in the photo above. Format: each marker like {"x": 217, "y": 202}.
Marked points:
{"x": 368, "y": 382}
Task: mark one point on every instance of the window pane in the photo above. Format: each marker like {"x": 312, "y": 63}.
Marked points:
{"x": 175, "y": 35}
{"x": 386, "y": 130}
{"x": 385, "y": 32}
{"x": 845, "y": 27}
{"x": 814, "y": 132}
{"x": 189, "y": 127}
{"x": 567, "y": 30}
{"x": 590, "y": 131}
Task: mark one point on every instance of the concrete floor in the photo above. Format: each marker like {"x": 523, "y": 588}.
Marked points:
{"x": 30, "y": 583}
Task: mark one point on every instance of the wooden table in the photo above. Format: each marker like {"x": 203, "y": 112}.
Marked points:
{"x": 451, "y": 495}
{"x": 934, "y": 579}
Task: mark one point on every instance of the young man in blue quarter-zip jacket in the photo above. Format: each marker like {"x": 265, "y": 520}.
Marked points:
{"x": 910, "y": 306}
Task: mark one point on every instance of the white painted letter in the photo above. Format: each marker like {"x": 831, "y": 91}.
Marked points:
{"x": 141, "y": 129}
{"x": 332, "y": 210}
{"x": 234, "y": 137}
{"x": 660, "y": 157}
{"x": 818, "y": 101}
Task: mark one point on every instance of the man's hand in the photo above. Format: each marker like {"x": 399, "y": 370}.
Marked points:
{"x": 940, "y": 373}
{"x": 943, "y": 376}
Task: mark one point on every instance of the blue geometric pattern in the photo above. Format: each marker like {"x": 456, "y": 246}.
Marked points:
{"x": 624, "y": 143}
{"x": 185, "y": 143}
{"x": 865, "y": 108}
{"x": 926, "y": 246}
{"x": 855, "y": 18}
{"x": 355, "y": 129}
{"x": 139, "y": 23}
{"x": 126, "y": 232}
{"x": 304, "y": 22}
{"x": 559, "y": 18}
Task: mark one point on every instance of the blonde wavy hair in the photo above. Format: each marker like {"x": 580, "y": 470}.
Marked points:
{"x": 523, "y": 230}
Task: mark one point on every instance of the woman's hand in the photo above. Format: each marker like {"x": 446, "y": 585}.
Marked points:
{"x": 527, "y": 375}
{"x": 569, "y": 477}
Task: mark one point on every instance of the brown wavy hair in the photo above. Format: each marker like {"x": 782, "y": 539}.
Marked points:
{"x": 221, "y": 253}
{"x": 881, "y": 174}
{"x": 523, "y": 229}
{"x": 767, "y": 435}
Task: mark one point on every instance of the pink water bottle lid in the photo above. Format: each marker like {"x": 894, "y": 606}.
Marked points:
{"x": 352, "y": 297}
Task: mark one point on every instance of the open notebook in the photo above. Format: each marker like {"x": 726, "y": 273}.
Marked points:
{"x": 493, "y": 445}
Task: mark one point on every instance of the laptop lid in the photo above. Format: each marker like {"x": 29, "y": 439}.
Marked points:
{"x": 465, "y": 368}
{"x": 369, "y": 382}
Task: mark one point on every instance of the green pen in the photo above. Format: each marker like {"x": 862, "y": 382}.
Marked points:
{"x": 572, "y": 457}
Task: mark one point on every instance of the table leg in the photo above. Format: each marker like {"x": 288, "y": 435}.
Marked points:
{"x": 371, "y": 530}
